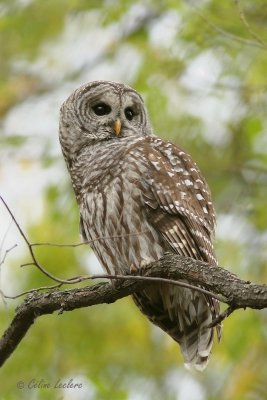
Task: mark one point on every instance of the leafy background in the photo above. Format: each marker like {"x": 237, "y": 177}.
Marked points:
{"x": 201, "y": 68}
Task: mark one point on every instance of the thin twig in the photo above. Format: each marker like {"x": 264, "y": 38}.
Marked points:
{"x": 245, "y": 22}
{"x": 34, "y": 290}
{"x": 6, "y": 253}
{"x": 160, "y": 280}
{"x": 35, "y": 262}
{"x": 79, "y": 279}
{"x": 225, "y": 33}
{"x": 86, "y": 242}
{"x": 222, "y": 316}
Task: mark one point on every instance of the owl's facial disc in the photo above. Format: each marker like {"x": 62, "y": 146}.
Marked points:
{"x": 102, "y": 111}
{"x": 116, "y": 117}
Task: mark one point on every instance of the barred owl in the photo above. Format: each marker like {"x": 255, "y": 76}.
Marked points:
{"x": 140, "y": 196}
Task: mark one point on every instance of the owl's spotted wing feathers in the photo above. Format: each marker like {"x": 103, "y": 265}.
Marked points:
{"x": 179, "y": 207}
{"x": 177, "y": 184}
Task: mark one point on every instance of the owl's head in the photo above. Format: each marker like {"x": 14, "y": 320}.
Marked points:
{"x": 100, "y": 111}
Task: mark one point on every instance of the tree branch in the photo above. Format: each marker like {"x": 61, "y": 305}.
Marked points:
{"x": 254, "y": 43}
{"x": 235, "y": 292}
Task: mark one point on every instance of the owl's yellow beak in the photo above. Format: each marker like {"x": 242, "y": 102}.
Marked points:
{"x": 117, "y": 126}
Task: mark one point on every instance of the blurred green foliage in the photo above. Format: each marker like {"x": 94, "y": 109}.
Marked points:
{"x": 113, "y": 346}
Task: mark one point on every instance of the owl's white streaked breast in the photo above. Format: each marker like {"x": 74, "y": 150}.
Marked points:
{"x": 110, "y": 198}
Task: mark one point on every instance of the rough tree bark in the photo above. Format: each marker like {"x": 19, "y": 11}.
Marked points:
{"x": 233, "y": 291}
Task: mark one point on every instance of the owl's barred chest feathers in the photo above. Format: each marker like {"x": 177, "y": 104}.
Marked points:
{"x": 140, "y": 196}
{"x": 98, "y": 164}
{"x": 110, "y": 191}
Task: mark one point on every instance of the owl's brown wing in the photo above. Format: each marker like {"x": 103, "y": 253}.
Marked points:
{"x": 179, "y": 201}
{"x": 179, "y": 207}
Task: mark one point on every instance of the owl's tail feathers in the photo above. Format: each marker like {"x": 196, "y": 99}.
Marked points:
{"x": 196, "y": 347}
{"x": 184, "y": 314}
{"x": 191, "y": 314}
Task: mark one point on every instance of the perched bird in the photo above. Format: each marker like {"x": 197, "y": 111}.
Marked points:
{"x": 140, "y": 196}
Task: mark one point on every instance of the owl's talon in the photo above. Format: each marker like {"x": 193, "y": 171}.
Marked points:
{"x": 133, "y": 269}
{"x": 144, "y": 264}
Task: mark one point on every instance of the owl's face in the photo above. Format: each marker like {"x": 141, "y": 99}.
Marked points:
{"x": 100, "y": 111}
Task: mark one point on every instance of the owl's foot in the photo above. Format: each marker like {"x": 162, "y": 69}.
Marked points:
{"x": 133, "y": 269}
{"x": 138, "y": 270}
{"x": 145, "y": 262}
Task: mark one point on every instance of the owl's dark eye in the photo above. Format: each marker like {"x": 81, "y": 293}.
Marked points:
{"x": 129, "y": 113}
{"x": 101, "y": 109}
